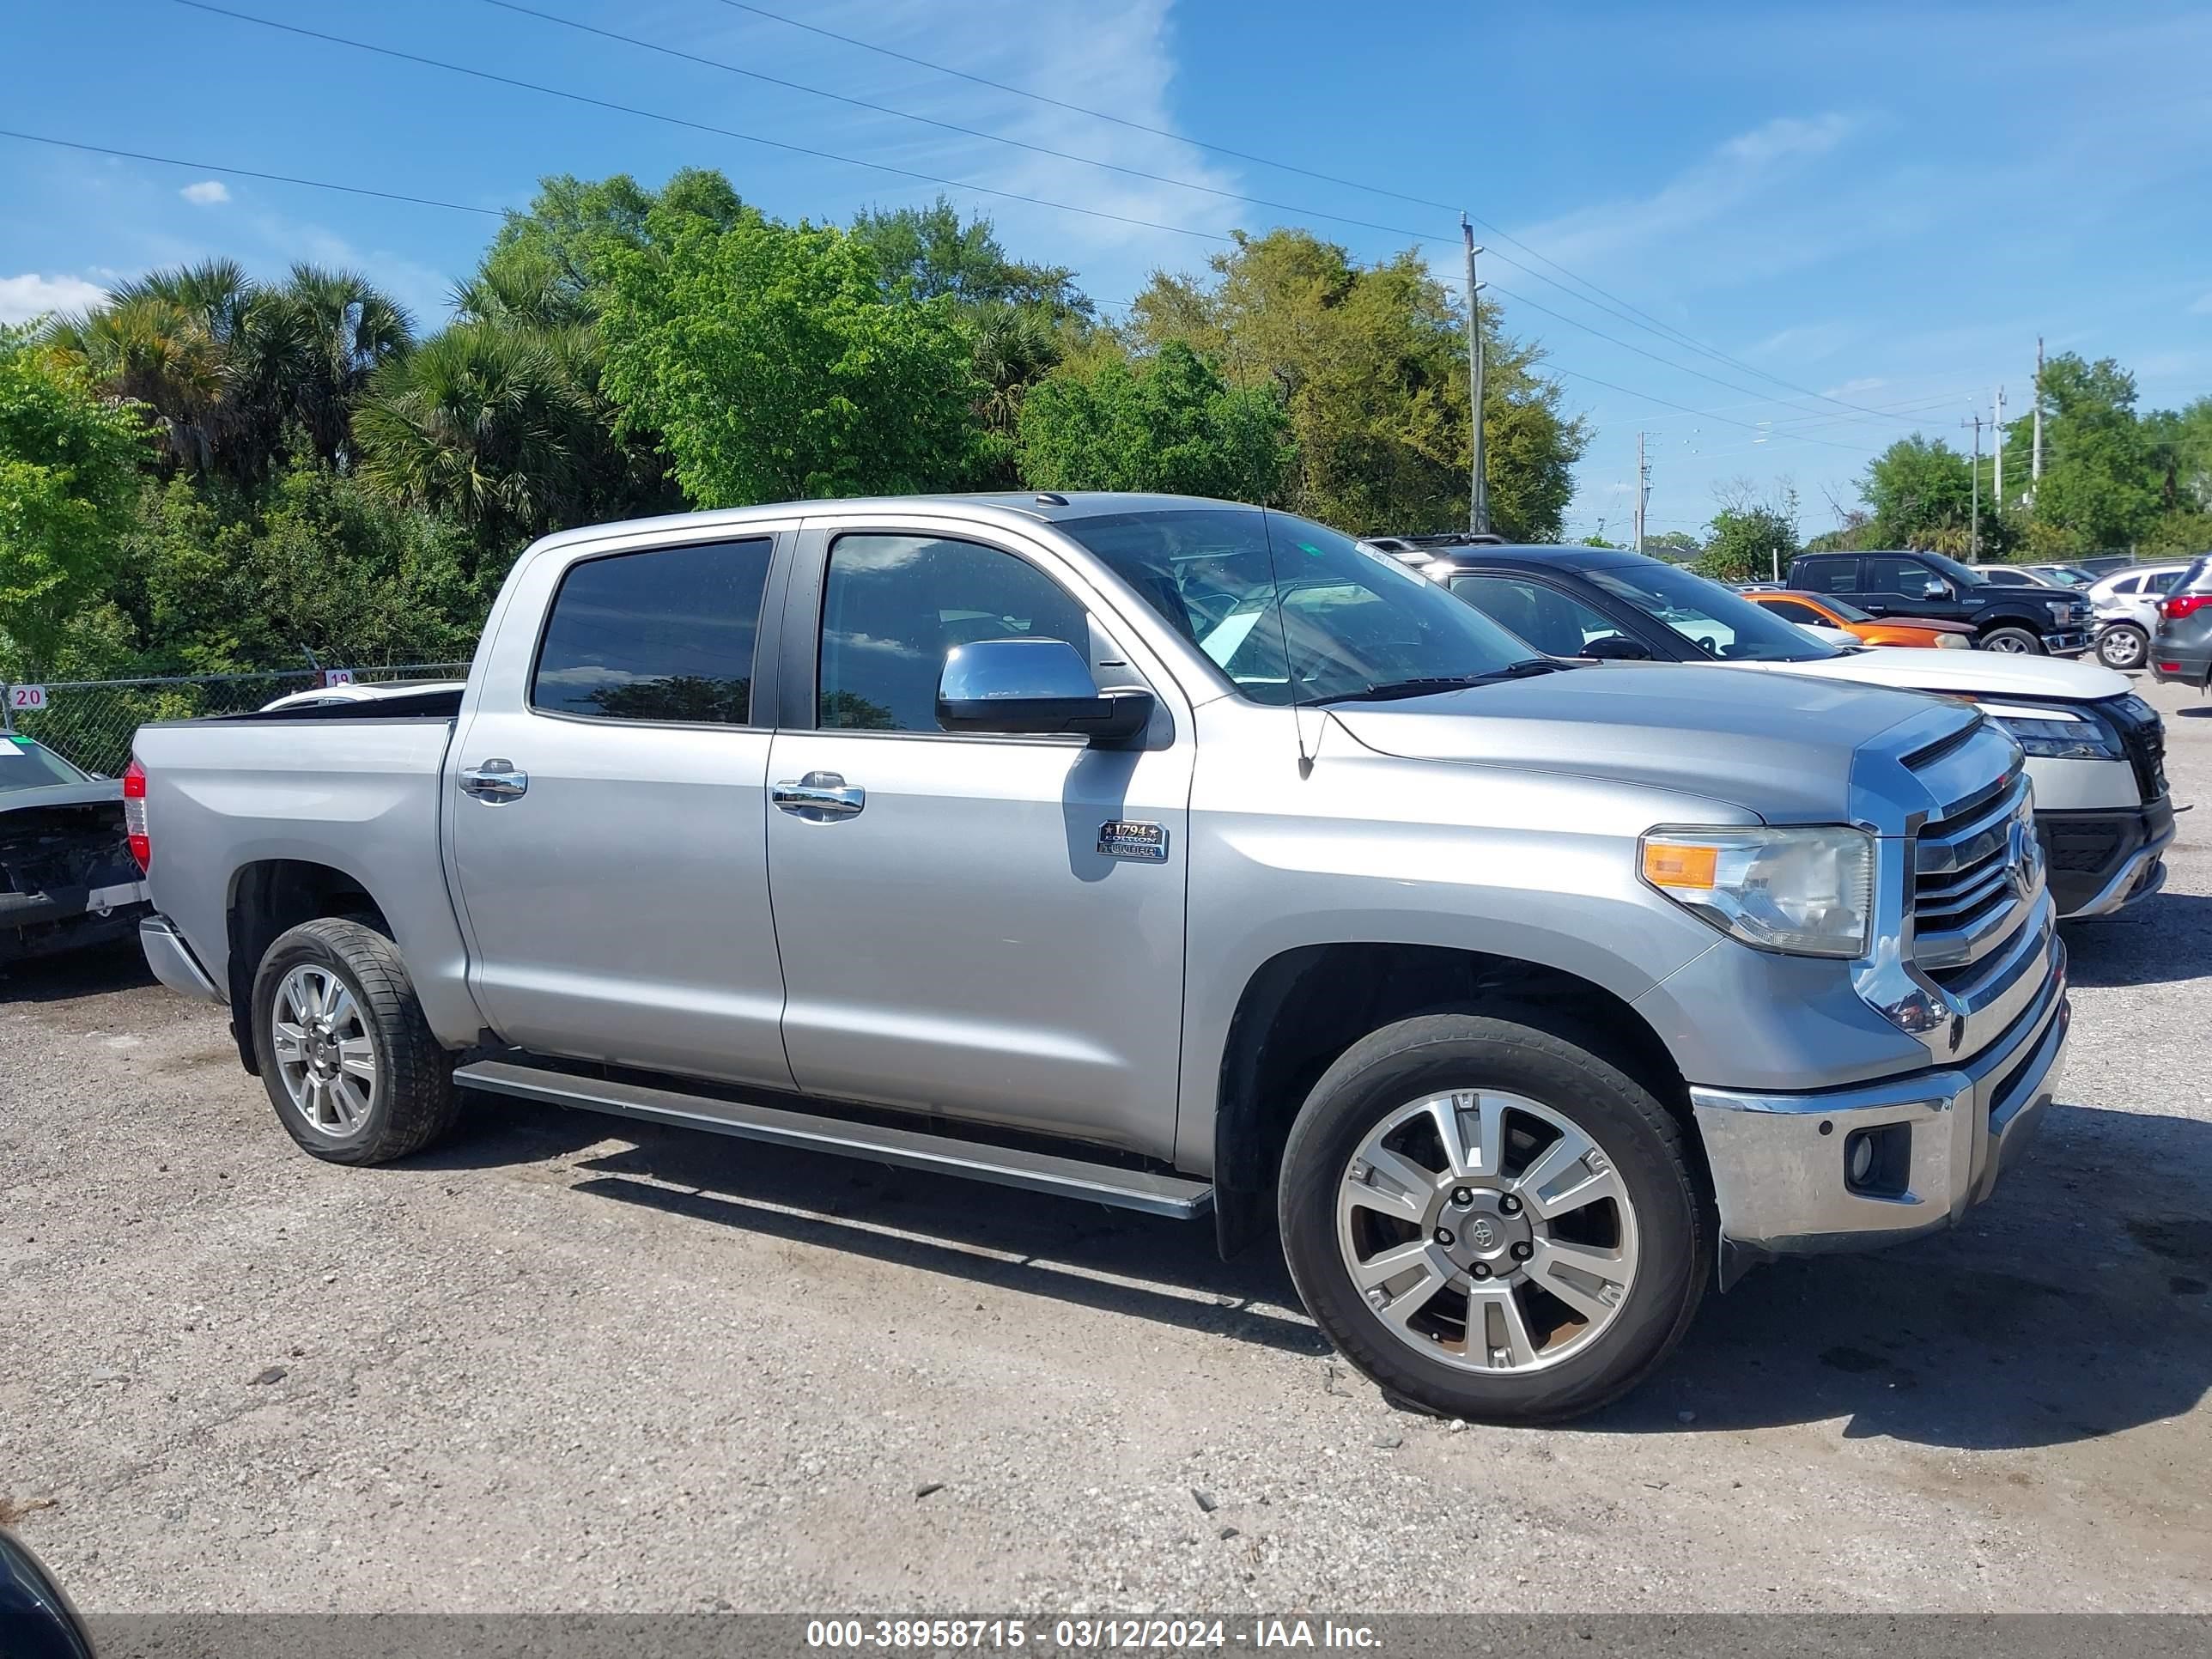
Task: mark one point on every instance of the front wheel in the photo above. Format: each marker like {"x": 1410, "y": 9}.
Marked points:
{"x": 2013, "y": 642}
{"x": 2123, "y": 646}
{"x": 1493, "y": 1222}
{"x": 349, "y": 1062}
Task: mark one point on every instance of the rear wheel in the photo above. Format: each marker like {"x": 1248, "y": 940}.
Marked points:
{"x": 2013, "y": 642}
{"x": 348, "y": 1059}
{"x": 2123, "y": 646}
{"x": 1492, "y": 1221}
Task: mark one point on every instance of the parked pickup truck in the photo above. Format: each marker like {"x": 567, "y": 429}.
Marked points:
{"x": 1165, "y": 854}
{"x": 2031, "y": 621}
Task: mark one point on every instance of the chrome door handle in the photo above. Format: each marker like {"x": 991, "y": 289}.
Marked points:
{"x": 819, "y": 796}
{"x": 494, "y": 781}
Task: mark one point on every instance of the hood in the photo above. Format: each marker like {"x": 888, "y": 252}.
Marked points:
{"x": 1778, "y": 746}
{"x": 62, "y": 794}
{"x": 1964, "y": 673}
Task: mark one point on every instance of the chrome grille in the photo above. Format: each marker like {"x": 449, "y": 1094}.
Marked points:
{"x": 1976, "y": 873}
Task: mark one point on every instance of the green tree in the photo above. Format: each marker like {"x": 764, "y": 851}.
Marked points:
{"x": 1751, "y": 536}
{"x": 236, "y": 375}
{"x": 773, "y": 366}
{"x": 1918, "y": 492}
{"x": 486, "y": 424}
{"x": 923, "y": 253}
{"x": 1371, "y": 361}
{"x": 1172, "y": 424}
{"x": 69, "y": 475}
{"x": 2102, "y": 480}
{"x": 574, "y": 224}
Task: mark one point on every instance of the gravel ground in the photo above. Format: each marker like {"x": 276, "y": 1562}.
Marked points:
{"x": 562, "y": 1365}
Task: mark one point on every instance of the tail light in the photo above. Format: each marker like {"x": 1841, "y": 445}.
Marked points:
{"x": 134, "y": 814}
{"x": 2183, "y": 604}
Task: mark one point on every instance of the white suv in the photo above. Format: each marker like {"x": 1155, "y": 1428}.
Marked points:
{"x": 2125, "y": 607}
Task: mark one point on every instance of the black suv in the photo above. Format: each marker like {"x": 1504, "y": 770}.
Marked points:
{"x": 2050, "y": 621}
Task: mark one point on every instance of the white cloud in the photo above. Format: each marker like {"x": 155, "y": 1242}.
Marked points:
{"x": 30, "y": 296}
{"x": 1734, "y": 174}
{"x": 1856, "y": 388}
{"x": 206, "y": 193}
{"x": 1121, "y": 58}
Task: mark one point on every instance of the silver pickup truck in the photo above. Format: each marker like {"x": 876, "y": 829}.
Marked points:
{"x": 1160, "y": 852}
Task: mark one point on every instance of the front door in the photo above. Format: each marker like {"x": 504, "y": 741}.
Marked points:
{"x": 954, "y": 938}
{"x": 608, "y": 823}
{"x": 1898, "y": 585}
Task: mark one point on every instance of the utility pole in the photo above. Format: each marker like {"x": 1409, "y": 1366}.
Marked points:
{"x": 2035, "y": 459}
{"x": 1996, "y": 428}
{"x": 1974, "y": 544}
{"x": 1643, "y": 490}
{"x": 1478, "y": 492}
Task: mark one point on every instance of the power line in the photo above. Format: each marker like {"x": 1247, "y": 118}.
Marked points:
{"x": 1748, "y": 425}
{"x": 1079, "y": 109}
{"x": 954, "y": 126}
{"x": 248, "y": 173}
{"x": 695, "y": 126}
{"x": 1627, "y": 312}
{"x": 880, "y": 167}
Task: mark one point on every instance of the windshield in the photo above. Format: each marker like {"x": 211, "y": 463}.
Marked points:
{"x": 25, "y": 765}
{"x": 1723, "y": 625}
{"x": 1963, "y": 576}
{"x": 1241, "y": 582}
{"x": 1844, "y": 609}
{"x": 2066, "y": 576}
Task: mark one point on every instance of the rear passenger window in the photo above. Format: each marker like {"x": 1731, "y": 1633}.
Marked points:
{"x": 892, "y": 606}
{"x": 1832, "y": 575}
{"x": 660, "y": 635}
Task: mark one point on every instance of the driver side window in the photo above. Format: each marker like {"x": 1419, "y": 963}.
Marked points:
{"x": 892, "y": 606}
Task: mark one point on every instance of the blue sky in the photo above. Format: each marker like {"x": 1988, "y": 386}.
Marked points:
{"x": 1880, "y": 207}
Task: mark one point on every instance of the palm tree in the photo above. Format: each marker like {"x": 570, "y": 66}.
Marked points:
{"x": 149, "y": 347}
{"x": 480, "y": 423}
{"x": 339, "y": 329}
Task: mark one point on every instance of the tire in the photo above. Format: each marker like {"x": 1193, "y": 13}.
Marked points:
{"x": 2123, "y": 646}
{"x": 2013, "y": 641}
{"x": 405, "y": 1101}
{"x": 1339, "y": 1227}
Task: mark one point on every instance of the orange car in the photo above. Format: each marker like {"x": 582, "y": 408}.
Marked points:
{"x": 1825, "y": 610}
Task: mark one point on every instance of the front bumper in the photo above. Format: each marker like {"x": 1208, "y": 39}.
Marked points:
{"x": 2071, "y": 642}
{"x": 1782, "y": 1163}
{"x": 2100, "y": 862}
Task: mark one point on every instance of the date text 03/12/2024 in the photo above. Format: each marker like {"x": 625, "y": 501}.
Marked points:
{"x": 1084, "y": 1634}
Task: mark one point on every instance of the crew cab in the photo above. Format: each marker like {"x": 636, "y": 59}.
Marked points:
{"x": 2095, "y": 751}
{"x": 1160, "y": 852}
{"x": 2022, "y": 620}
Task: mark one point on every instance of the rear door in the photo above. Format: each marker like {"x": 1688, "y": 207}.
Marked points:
{"x": 986, "y": 926}
{"x": 1828, "y": 573}
{"x": 607, "y": 827}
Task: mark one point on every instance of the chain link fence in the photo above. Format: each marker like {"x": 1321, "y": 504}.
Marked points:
{"x": 90, "y": 722}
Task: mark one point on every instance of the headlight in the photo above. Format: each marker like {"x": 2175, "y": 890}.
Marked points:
{"x": 1953, "y": 642}
{"x": 1809, "y": 892}
{"x": 2060, "y": 614}
{"x": 2054, "y": 733}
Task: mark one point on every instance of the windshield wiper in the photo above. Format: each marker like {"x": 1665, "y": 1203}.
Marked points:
{"x": 1425, "y": 685}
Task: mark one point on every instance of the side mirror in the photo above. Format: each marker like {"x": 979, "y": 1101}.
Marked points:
{"x": 1034, "y": 688}
{"x": 1934, "y": 588}
{"x": 1618, "y": 647}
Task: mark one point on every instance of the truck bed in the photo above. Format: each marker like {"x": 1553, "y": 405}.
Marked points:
{"x": 354, "y": 788}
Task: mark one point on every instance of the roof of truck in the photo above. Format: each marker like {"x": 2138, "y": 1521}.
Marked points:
{"x": 1044, "y": 505}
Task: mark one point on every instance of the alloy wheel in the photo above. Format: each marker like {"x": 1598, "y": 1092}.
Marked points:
{"x": 1485, "y": 1229}
{"x": 324, "y": 1053}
